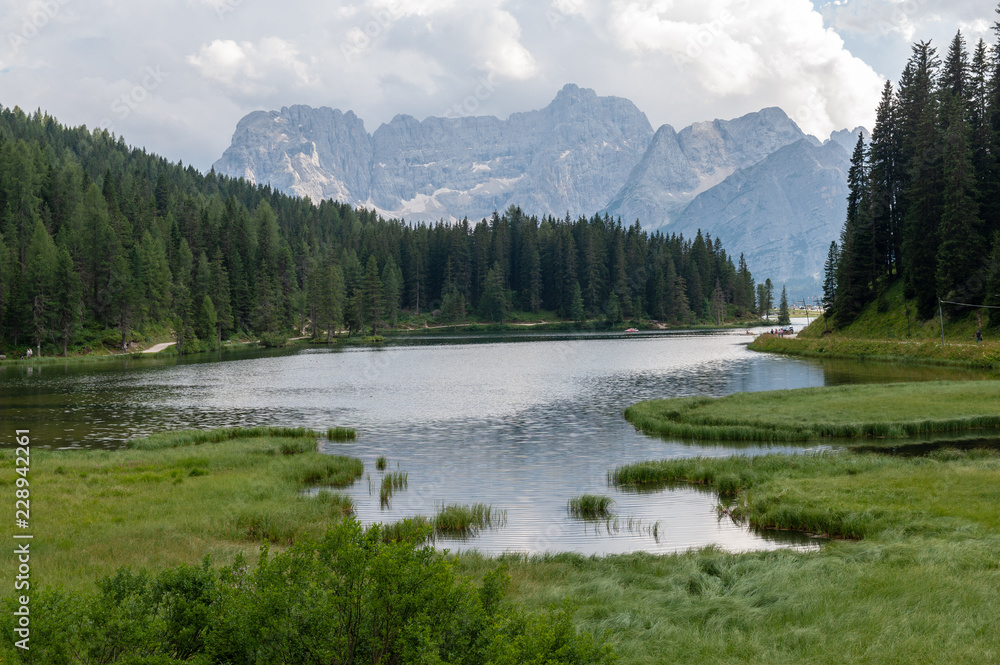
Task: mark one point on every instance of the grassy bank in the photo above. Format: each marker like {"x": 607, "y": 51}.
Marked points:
{"x": 888, "y": 330}
{"x": 855, "y": 411}
{"x": 984, "y": 356}
{"x": 921, "y": 586}
{"x": 174, "y": 498}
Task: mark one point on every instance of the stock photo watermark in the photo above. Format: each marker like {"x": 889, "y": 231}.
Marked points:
{"x": 34, "y": 22}
{"x": 360, "y": 38}
{"x": 709, "y": 34}
{"x": 22, "y": 546}
{"x": 227, "y": 7}
{"x": 125, "y": 104}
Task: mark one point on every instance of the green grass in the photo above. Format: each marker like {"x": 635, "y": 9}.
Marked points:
{"x": 381, "y": 462}
{"x": 341, "y": 434}
{"x": 855, "y": 411}
{"x": 174, "y": 498}
{"x": 590, "y": 506}
{"x": 917, "y": 582}
{"x": 884, "y": 333}
{"x": 391, "y": 483}
{"x": 410, "y": 529}
{"x": 195, "y": 437}
{"x": 458, "y": 520}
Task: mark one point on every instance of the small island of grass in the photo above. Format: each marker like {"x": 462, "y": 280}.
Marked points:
{"x": 857, "y": 411}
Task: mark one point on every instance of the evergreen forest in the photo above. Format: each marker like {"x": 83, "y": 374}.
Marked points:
{"x": 924, "y": 203}
{"x": 105, "y": 246}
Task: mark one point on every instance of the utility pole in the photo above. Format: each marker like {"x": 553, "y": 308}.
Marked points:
{"x": 941, "y": 316}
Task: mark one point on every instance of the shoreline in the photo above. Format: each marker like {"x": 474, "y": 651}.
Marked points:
{"x": 977, "y": 356}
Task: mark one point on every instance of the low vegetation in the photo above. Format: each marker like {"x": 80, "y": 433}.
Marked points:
{"x": 341, "y": 434}
{"x": 590, "y": 506}
{"x": 391, "y": 483}
{"x": 350, "y": 596}
{"x": 854, "y": 411}
{"x": 174, "y": 498}
{"x": 463, "y": 521}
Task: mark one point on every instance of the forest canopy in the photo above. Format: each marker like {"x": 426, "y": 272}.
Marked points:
{"x": 924, "y": 204}
{"x": 101, "y": 243}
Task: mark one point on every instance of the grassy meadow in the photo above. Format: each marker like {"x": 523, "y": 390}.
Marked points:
{"x": 853, "y": 411}
{"x": 176, "y": 497}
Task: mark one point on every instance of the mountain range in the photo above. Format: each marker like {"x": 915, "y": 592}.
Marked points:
{"x": 758, "y": 182}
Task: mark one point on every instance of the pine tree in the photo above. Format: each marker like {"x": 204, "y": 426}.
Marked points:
{"x": 984, "y": 140}
{"x": 373, "y": 300}
{"x": 885, "y": 186}
{"x": 122, "y": 300}
{"x": 960, "y": 251}
{"x": 576, "y": 309}
{"x": 767, "y": 298}
{"x": 41, "y": 257}
{"x": 784, "y": 316}
{"x": 208, "y": 320}
{"x": 830, "y": 270}
{"x": 718, "y": 303}
{"x": 613, "y": 311}
{"x": 392, "y": 281}
{"x": 495, "y": 303}
{"x": 221, "y": 297}
{"x": 858, "y": 263}
{"x": 67, "y": 299}
{"x": 923, "y": 192}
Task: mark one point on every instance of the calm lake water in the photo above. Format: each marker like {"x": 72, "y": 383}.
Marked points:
{"x": 522, "y": 422}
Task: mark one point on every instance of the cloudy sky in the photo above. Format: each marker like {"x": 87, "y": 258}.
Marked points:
{"x": 176, "y": 76}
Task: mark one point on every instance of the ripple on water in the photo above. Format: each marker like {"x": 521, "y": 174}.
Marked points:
{"x": 523, "y": 426}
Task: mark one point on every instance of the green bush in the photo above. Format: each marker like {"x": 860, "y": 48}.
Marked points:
{"x": 273, "y": 340}
{"x": 351, "y": 597}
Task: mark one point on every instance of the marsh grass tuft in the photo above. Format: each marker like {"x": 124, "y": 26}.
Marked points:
{"x": 381, "y": 462}
{"x": 341, "y": 434}
{"x": 195, "y": 437}
{"x": 464, "y": 521}
{"x": 590, "y": 507}
{"x": 391, "y": 483}
{"x": 411, "y": 529}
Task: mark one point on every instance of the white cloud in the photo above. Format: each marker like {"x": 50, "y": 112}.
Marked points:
{"x": 777, "y": 51}
{"x": 680, "y": 61}
{"x": 909, "y": 19}
{"x": 252, "y": 68}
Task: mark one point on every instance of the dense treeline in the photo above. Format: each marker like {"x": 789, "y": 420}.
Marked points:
{"x": 924, "y": 203}
{"x": 100, "y": 241}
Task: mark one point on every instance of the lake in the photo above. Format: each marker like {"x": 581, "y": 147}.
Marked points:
{"x": 523, "y": 422}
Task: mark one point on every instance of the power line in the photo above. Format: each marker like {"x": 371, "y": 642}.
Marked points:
{"x": 965, "y": 304}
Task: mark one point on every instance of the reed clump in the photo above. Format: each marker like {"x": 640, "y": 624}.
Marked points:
{"x": 392, "y": 483}
{"x": 381, "y": 463}
{"x": 341, "y": 434}
{"x": 590, "y": 507}
{"x": 195, "y": 437}
{"x": 411, "y": 529}
{"x": 463, "y": 521}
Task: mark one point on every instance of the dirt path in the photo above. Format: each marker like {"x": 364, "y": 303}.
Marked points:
{"x": 156, "y": 348}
